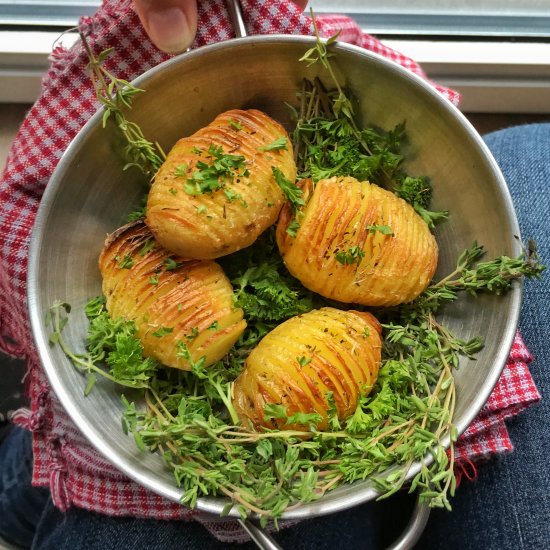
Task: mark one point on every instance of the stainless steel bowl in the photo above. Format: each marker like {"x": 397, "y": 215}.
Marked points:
{"x": 89, "y": 195}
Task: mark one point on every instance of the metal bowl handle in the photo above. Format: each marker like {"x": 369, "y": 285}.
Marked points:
{"x": 263, "y": 540}
{"x": 236, "y": 16}
{"x": 414, "y": 529}
{"x": 406, "y": 541}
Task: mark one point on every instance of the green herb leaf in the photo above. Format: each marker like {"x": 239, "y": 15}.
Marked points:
{"x": 162, "y": 331}
{"x": 235, "y": 124}
{"x": 277, "y": 145}
{"x": 293, "y": 227}
{"x": 126, "y": 262}
{"x": 170, "y": 264}
{"x": 384, "y": 229}
{"x": 350, "y": 256}
{"x": 292, "y": 192}
{"x": 220, "y": 169}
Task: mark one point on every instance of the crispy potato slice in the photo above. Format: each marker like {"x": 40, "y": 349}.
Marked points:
{"x": 173, "y": 302}
{"x": 298, "y": 362}
{"x": 358, "y": 243}
{"x": 216, "y": 192}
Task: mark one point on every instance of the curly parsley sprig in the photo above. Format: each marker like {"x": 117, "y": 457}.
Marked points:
{"x": 111, "y": 343}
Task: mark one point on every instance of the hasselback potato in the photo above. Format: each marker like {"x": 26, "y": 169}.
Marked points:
{"x": 216, "y": 192}
{"x": 358, "y": 243}
{"x": 304, "y": 358}
{"x": 174, "y": 303}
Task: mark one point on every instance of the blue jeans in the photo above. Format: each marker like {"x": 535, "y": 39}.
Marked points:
{"x": 21, "y": 505}
{"x": 506, "y": 508}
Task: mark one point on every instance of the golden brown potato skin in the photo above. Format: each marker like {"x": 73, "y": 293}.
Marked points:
{"x": 341, "y": 214}
{"x": 210, "y": 225}
{"x": 191, "y": 303}
{"x": 339, "y": 351}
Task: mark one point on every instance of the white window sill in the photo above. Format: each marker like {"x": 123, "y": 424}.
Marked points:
{"x": 24, "y": 59}
{"x": 493, "y": 77}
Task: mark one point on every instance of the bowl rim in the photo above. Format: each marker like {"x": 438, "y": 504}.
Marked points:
{"x": 214, "y": 505}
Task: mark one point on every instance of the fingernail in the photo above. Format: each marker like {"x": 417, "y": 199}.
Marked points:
{"x": 169, "y": 30}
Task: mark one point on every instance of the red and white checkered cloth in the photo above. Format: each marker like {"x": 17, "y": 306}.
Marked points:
{"x": 64, "y": 460}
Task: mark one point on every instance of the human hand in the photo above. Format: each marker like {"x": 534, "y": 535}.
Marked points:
{"x": 172, "y": 24}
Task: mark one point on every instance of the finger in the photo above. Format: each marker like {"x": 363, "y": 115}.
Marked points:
{"x": 170, "y": 24}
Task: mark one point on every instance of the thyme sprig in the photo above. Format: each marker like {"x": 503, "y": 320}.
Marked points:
{"x": 116, "y": 96}
{"x": 495, "y": 276}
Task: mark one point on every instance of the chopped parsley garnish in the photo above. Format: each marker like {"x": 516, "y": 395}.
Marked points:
{"x": 214, "y": 172}
{"x": 126, "y": 262}
{"x": 277, "y": 145}
{"x": 181, "y": 170}
{"x": 148, "y": 245}
{"x": 350, "y": 256}
{"x": 292, "y": 192}
{"x": 194, "y": 332}
{"x": 231, "y": 195}
{"x": 293, "y": 227}
{"x": 235, "y": 124}
{"x": 384, "y": 229}
{"x": 170, "y": 264}
{"x": 163, "y": 331}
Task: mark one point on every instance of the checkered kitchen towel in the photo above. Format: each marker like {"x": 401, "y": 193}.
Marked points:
{"x": 64, "y": 460}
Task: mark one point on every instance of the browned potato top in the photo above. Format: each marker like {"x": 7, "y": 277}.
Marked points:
{"x": 174, "y": 302}
{"x": 358, "y": 243}
{"x": 229, "y": 158}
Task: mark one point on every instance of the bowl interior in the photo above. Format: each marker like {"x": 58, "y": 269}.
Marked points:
{"x": 90, "y": 195}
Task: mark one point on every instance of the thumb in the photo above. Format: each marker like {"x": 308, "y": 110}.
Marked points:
{"x": 170, "y": 24}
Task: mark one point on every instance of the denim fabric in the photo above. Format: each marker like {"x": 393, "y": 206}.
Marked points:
{"x": 507, "y": 507}
{"x": 374, "y": 524}
{"x": 21, "y": 505}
